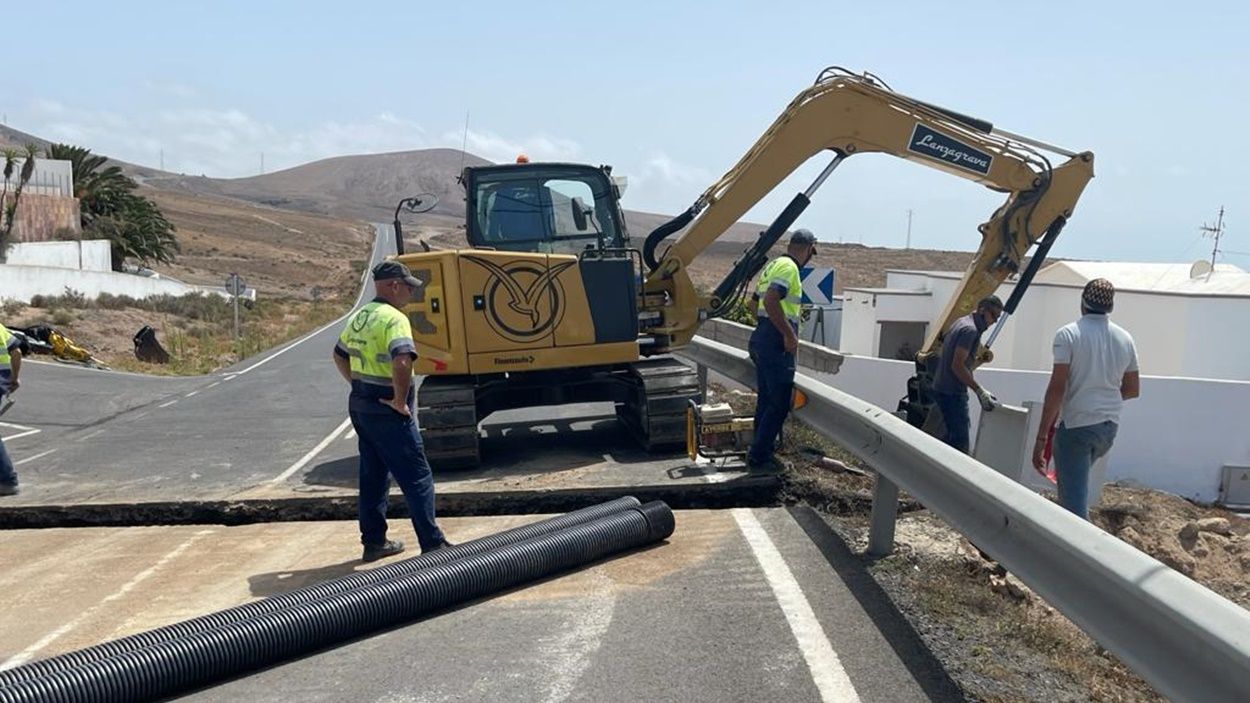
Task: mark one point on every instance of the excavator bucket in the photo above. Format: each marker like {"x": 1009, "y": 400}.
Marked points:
{"x": 147, "y": 348}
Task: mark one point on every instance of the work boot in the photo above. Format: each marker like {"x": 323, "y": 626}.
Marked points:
{"x": 441, "y": 545}
{"x": 8, "y": 489}
{"x": 390, "y": 547}
{"x": 768, "y": 466}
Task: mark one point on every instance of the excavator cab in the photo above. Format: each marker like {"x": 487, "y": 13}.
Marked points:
{"x": 543, "y": 208}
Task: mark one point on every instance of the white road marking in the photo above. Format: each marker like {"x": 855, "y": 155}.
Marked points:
{"x": 190, "y": 394}
{"x": 93, "y": 434}
{"x": 309, "y": 456}
{"x": 377, "y": 245}
{"x": 22, "y": 431}
{"x": 569, "y": 653}
{"x": 25, "y": 655}
{"x": 40, "y": 455}
{"x": 166, "y": 405}
{"x": 214, "y": 383}
{"x": 351, "y": 434}
{"x": 827, "y": 672}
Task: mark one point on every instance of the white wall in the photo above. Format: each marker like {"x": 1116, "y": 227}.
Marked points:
{"x": 90, "y": 255}
{"x": 859, "y": 323}
{"x": 1176, "y": 335}
{"x": 22, "y": 282}
{"x": 1176, "y": 437}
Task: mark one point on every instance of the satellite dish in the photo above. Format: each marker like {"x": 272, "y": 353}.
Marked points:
{"x": 1200, "y": 268}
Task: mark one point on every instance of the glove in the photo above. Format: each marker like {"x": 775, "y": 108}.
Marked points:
{"x": 988, "y": 401}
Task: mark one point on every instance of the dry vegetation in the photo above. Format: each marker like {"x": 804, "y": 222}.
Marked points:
{"x": 305, "y": 268}
{"x": 997, "y": 639}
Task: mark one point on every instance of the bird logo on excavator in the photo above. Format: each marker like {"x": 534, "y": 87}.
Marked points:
{"x": 523, "y": 300}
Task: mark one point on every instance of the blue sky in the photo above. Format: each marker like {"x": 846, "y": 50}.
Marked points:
{"x": 669, "y": 93}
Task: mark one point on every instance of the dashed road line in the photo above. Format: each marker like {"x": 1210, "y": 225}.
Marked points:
{"x": 97, "y": 433}
{"x": 825, "y": 666}
{"x": 309, "y": 456}
{"x": 40, "y": 455}
{"x": 166, "y": 405}
{"x": 190, "y": 394}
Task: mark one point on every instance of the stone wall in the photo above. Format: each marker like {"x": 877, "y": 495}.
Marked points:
{"x": 39, "y": 216}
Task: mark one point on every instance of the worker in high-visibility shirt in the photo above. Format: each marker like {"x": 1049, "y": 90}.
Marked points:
{"x": 10, "y": 367}
{"x": 375, "y": 354}
{"x": 774, "y": 344}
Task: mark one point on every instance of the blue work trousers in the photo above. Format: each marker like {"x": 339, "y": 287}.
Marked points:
{"x": 954, "y": 407}
{"x": 8, "y": 475}
{"x": 774, "y": 385}
{"x": 391, "y": 446}
{"x": 1075, "y": 451}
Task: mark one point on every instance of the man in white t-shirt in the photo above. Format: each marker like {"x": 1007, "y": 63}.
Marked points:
{"x": 1095, "y": 372}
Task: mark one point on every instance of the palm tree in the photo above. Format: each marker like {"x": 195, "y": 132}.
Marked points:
{"x": 110, "y": 209}
{"x": 10, "y": 209}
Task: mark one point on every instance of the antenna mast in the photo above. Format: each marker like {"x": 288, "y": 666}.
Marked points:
{"x": 1215, "y": 232}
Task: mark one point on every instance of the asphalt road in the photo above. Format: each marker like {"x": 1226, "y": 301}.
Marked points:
{"x": 742, "y": 604}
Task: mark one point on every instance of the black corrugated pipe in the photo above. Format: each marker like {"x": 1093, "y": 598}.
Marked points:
{"x": 202, "y": 658}
{"x": 307, "y": 594}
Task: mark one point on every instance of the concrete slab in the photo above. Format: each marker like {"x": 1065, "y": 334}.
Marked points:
{"x": 707, "y": 616}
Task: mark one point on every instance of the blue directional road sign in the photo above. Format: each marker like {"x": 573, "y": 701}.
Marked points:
{"x": 817, "y": 286}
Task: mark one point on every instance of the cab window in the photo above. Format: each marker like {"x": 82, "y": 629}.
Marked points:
{"x": 557, "y": 213}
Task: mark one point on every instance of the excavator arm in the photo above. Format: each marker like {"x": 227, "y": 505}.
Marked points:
{"x": 849, "y": 114}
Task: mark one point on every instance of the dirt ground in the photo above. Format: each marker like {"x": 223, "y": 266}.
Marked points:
{"x": 278, "y": 252}
{"x": 996, "y": 638}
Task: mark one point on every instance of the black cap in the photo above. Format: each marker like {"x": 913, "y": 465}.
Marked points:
{"x": 803, "y": 236}
{"x": 394, "y": 269}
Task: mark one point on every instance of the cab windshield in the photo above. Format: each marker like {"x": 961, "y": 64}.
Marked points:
{"x": 530, "y": 208}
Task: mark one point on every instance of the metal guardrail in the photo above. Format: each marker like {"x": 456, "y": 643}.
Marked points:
{"x": 1185, "y": 640}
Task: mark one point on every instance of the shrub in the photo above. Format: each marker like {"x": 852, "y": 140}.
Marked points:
{"x": 62, "y": 317}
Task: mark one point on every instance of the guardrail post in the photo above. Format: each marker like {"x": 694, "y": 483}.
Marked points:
{"x": 884, "y": 514}
{"x": 702, "y": 371}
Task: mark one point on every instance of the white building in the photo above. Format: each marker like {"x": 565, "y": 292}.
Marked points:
{"x": 1188, "y": 321}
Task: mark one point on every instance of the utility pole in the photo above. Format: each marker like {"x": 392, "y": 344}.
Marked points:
{"x": 262, "y": 163}
{"x": 162, "y": 159}
{"x": 1215, "y": 233}
{"x": 909, "y": 228}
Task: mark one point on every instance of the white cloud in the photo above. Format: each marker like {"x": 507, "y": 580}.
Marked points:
{"x": 499, "y": 149}
{"x": 228, "y": 142}
{"x": 662, "y": 184}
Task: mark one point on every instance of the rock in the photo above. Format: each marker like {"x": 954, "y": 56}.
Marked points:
{"x": 1189, "y": 532}
{"x": 1130, "y": 536}
{"x": 1245, "y": 562}
{"x": 1218, "y": 525}
{"x": 1009, "y": 586}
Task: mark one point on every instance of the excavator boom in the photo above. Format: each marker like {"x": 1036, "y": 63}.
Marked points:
{"x": 850, "y": 114}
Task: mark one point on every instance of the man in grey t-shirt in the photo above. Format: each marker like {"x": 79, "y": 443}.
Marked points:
{"x": 1095, "y": 371}
{"x": 954, "y": 373}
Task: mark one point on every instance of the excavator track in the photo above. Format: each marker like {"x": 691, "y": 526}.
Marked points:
{"x": 656, "y": 411}
{"x": 447, "y": 416}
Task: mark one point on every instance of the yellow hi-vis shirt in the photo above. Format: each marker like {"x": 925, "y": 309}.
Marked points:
{"x": 782, "y": 274}
{"x": 8, "y": 342}
{"x": 373, "y": 337}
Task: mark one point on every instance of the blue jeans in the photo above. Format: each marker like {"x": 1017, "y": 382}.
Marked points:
{"x": 954, "y": 407}
{"x": 391, "y": 446}
{"x": 8, "y": 475}
{"x": 1075, "y": 451}
{"x": 774, "y": 385}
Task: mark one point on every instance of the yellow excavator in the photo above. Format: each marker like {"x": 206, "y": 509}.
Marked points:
{"x": 552, "y": 304}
